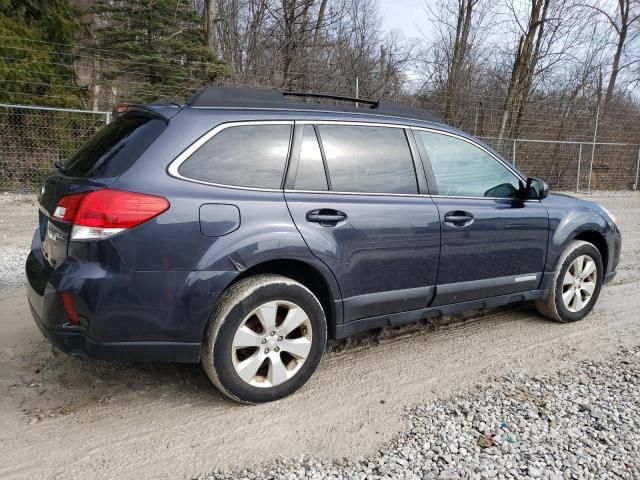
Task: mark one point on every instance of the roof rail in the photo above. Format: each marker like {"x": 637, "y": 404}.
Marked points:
{"x": 331, "y": 96}
{"x": 232, "y": 97}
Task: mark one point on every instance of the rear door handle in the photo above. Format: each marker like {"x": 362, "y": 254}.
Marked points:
{"x": 458, "y": 218}
{"x": 326, "y": 217}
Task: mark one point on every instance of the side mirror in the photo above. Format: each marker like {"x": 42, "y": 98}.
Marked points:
{"x": 536, "y": 189}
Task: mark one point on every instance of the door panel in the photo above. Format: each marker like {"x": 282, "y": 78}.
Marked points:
{"x": 384, "y": 253}
{"x": 500, "y": 250}
{"x": 493, "y": 241}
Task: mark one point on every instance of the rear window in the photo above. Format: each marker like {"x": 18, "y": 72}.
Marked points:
{"x": 243, "y": 156}
{"x": 368, "y": 159}
{"x": 115, "y": 147}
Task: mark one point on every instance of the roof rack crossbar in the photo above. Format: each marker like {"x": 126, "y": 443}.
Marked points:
{"x": 331, "y": 96}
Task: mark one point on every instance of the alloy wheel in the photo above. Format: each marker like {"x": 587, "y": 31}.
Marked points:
{"x": 579, "y": 283}
{"x": 271, "y": 344}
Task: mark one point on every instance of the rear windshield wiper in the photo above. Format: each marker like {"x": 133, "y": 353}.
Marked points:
{"x": 60, "y": 167}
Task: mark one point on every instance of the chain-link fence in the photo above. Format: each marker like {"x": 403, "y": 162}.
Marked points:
{"x": 32, "y": 138}
{"x": 574, "y": 166}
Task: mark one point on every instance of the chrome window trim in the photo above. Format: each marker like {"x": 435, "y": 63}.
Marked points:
{"x": 353, "y": 124}
{"x": 370, "y": 194}
{"x": 409, "y": 127}
{"x": 312, "y": 111}
{"x": 488, "y": 198}
{"x": 421, "y": 195}
{"x": 173, "y": 167}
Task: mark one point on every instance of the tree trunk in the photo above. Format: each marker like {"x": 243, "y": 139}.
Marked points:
{"x": 460, "y": 53}
{"x": 319, "y": 23}
{"x": 622, "y": 38}
{"x": 94, "y": 87}
{"x": 524, "y": 70}
{"x": 210, "y": 20}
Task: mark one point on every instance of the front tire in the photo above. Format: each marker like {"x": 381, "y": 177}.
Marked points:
{"x": 576, "y": 284}
{"x": 265, "y": 339}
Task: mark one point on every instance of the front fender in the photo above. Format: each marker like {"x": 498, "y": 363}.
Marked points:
{"x": 569, "y": 218}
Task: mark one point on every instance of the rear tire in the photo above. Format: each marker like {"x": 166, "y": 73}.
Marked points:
{"x": 265, "y": 339}
{"x": 576, "y": 284}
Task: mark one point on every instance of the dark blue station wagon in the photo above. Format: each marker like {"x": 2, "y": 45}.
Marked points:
{"x": 243, "y": 228}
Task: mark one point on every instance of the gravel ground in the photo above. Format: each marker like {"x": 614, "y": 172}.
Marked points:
{"x": 582, "y": 423}
{"x": 15, "y": 237}
{"x": 12, "y": 271}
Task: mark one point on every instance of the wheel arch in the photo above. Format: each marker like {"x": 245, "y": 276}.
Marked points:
{"x": 576, "y": 224}
{"x": 322, "y": 284}
{"x": 598, "y": 240}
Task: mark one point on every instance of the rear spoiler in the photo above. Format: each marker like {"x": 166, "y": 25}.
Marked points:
{"x": 123, "y": 108}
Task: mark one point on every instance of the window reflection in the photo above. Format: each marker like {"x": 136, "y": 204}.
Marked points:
{"x": 368, "y": 159}
{"x": 462, "y": 169}
{"x": 310, "y": 175}
{"x": 247, "y": 156}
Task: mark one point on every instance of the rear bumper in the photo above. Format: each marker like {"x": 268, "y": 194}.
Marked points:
{"x": 79, "y": 345}
{"x": 123, "y": 314}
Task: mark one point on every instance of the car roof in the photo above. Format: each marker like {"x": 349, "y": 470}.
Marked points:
{"x": 263, "y": 99}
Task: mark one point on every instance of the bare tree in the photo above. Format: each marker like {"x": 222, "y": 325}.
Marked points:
{"x": 454, "y": 52}
{"x": 461, "y": 50}
{"x": 621, "y": 22}
{"x": 545, "y": 40}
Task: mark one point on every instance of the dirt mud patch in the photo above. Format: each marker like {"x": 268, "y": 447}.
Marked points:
{"x": 65, "y": 418}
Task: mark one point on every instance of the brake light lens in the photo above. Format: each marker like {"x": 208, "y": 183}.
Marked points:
{"x": 120, "y": 108}
{"x": 103, "y": 213}
{"x": 68, "y": 206}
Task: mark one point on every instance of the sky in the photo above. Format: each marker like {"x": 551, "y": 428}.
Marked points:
{"x": 406, "y": 16}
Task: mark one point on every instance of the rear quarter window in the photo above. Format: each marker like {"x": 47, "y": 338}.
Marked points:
{"x": 243, "y": 156}
{"x": 115, "y": 147}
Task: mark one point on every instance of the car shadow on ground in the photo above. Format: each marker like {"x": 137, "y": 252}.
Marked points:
{"x": 52, "y": 384}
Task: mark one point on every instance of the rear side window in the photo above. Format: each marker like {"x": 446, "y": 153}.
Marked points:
{"x": 244, "y": 156}
{"x": 310, "y": 174}
{"x": 368, "y": 159}
{"x": 115, "y": 147}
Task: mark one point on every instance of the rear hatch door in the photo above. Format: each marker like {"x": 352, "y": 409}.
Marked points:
{"x": 105, "y": 156}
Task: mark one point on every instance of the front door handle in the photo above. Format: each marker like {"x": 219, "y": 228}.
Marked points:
{"x": 327, "y": 217}
{"x": 458, "y": 218}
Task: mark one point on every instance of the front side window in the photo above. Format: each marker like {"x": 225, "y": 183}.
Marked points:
{"x": 462, "y": 169}
{"x": 368, "y": 159}
{"x": 244, "y": 156}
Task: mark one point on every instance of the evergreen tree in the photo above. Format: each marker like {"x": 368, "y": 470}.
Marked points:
{"x": 153, "y": 48}
{"x": 36, "y": 62}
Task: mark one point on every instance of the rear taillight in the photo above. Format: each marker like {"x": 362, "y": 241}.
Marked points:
{"x": 102, "y": 213}
{"x": 68, "y": 206}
